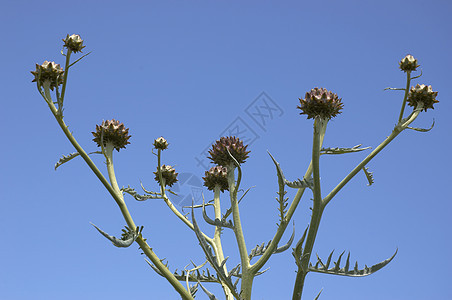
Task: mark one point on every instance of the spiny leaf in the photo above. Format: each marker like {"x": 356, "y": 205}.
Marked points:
{"x": 260, "y": 249}
{"x": 192, "y": 277}
{"x": 318, "y": 295}
{"x": 211, "y": 258}
{"x": 369, "y": 176}
{"x": 209, "y": 294}
{"x": 216, "y": 222}
{"x": 194, "y": 289}
{"x": 139, "y": 197}
{"x": 336, "y": 270}
{"x": 299, "y": 183}
{"x": 127, "y": 238}
{"x": 339, "y": 150}
{"x": 70, "y": 156}
{"x": 298, "y": 250}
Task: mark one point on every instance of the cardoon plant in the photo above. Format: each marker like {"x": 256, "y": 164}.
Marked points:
{"x": 228, "y": 154}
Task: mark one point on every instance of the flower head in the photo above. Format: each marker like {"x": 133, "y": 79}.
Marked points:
{"x": 160, "y": 143}
{"x": 219, "y": 152}
{"x": 111, "y": 131}
{"x": 216, "y": 176}
{"x": 169, "y": 175}
{"x": 422, "y": 93}
{"x": 73, "y": 43}
{"x": 408, "y": 64}
{"x": 48, "y": 71}
{"x": 320, "y": 102}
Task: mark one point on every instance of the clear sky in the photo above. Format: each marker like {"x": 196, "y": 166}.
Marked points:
{"x": 194, "y": 70}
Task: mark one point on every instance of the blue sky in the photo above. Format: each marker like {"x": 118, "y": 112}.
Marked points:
{"x": 189, "y": 71}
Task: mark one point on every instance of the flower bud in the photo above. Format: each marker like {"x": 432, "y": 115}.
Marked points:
{"x": 219, "y": 152}
{"x": 169, "y": 175}
{"x": 216, "y": 176}
{"x": 422, "y": 93}
{"x": 48, "y": 71}
{"x": 73, "y": 43}
{"x": 408, "y": 64}
{"x": 320, "y": 102}
{"x": 111, "y": 131}
{"x": 160, "y": 143}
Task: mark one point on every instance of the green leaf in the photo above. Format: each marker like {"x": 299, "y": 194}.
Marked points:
{"x": 70, "y": 156}
{"x": 342, "y": 150}
{"x": 423, "y": 129}
{"x": 369, "y": 176}
{"x": 139, "y": 197}
{"x": 128, "y": 237}
{"x": 336, "y": 270}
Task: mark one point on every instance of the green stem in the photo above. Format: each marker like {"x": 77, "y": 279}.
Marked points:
{"x": 66, "y": 71}
{"x": 317, "y": 209}
{"x": 247, "y": 276}
{"x": 407, "y": 89}
{"x": 217, "y": 240}
{"x": 119, "y": 200}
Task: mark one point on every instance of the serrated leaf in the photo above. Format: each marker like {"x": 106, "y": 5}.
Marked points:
{"x": 71, "y": 156}
{"x": 211, "y": 258}
{"x": 336, "y": 270}
{"x": 339, "y": 150}
{"x": 260, "y": 249}
{"x": 369, "y": 176}
{"x": 139, "y": 197}
{"x": 209, "y": 294}
{"x": 127, "y": 239}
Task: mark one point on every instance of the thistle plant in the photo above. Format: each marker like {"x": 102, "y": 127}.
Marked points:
{"x": 228, "y": 154}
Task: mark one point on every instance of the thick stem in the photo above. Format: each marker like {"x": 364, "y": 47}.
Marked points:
{"x": 317, "y": 209}
{"x": 247, "y": 277}
{"x": 217, "y": 240}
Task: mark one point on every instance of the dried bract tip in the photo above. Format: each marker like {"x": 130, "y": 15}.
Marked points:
{"x": 320, "y": 102}
{"x": 111, "y": 131}
{"x": 408, "y": 63}
{"x": 216, "y": 176}
{"x": 168, "y": 174}
{"x": 73, "y": 43}
{"x": 422, "y": 93}
{"x": 48, "y": 71}
{"x": 219, "y": 152}
{"x": 160, "y": 143}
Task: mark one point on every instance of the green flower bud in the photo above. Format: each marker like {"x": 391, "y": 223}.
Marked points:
{"x": 49, "y": 71}
{"x": 422, "y": 93}
{"x": 160, "y": 143}
{"x": 73, "y": 43}
{"x": 169, "y": 175}
{"x": 216, "y": 176}
{"x": 408, "y": 64}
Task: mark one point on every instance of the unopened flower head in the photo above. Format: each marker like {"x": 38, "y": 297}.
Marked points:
{"x": 48, "y": 71}
{"x": 422, "y": 93}
{"x": 219, "y": 152}
{"x": 73, "y": 43}
{"x": 408, "y": 63}
{"x": 169, "y": 175}
{"x": 216, "y": 176}
{"x": 160, "y": 143}
{"x": 320, "y": 102}
{"x": 112, "y": 131}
